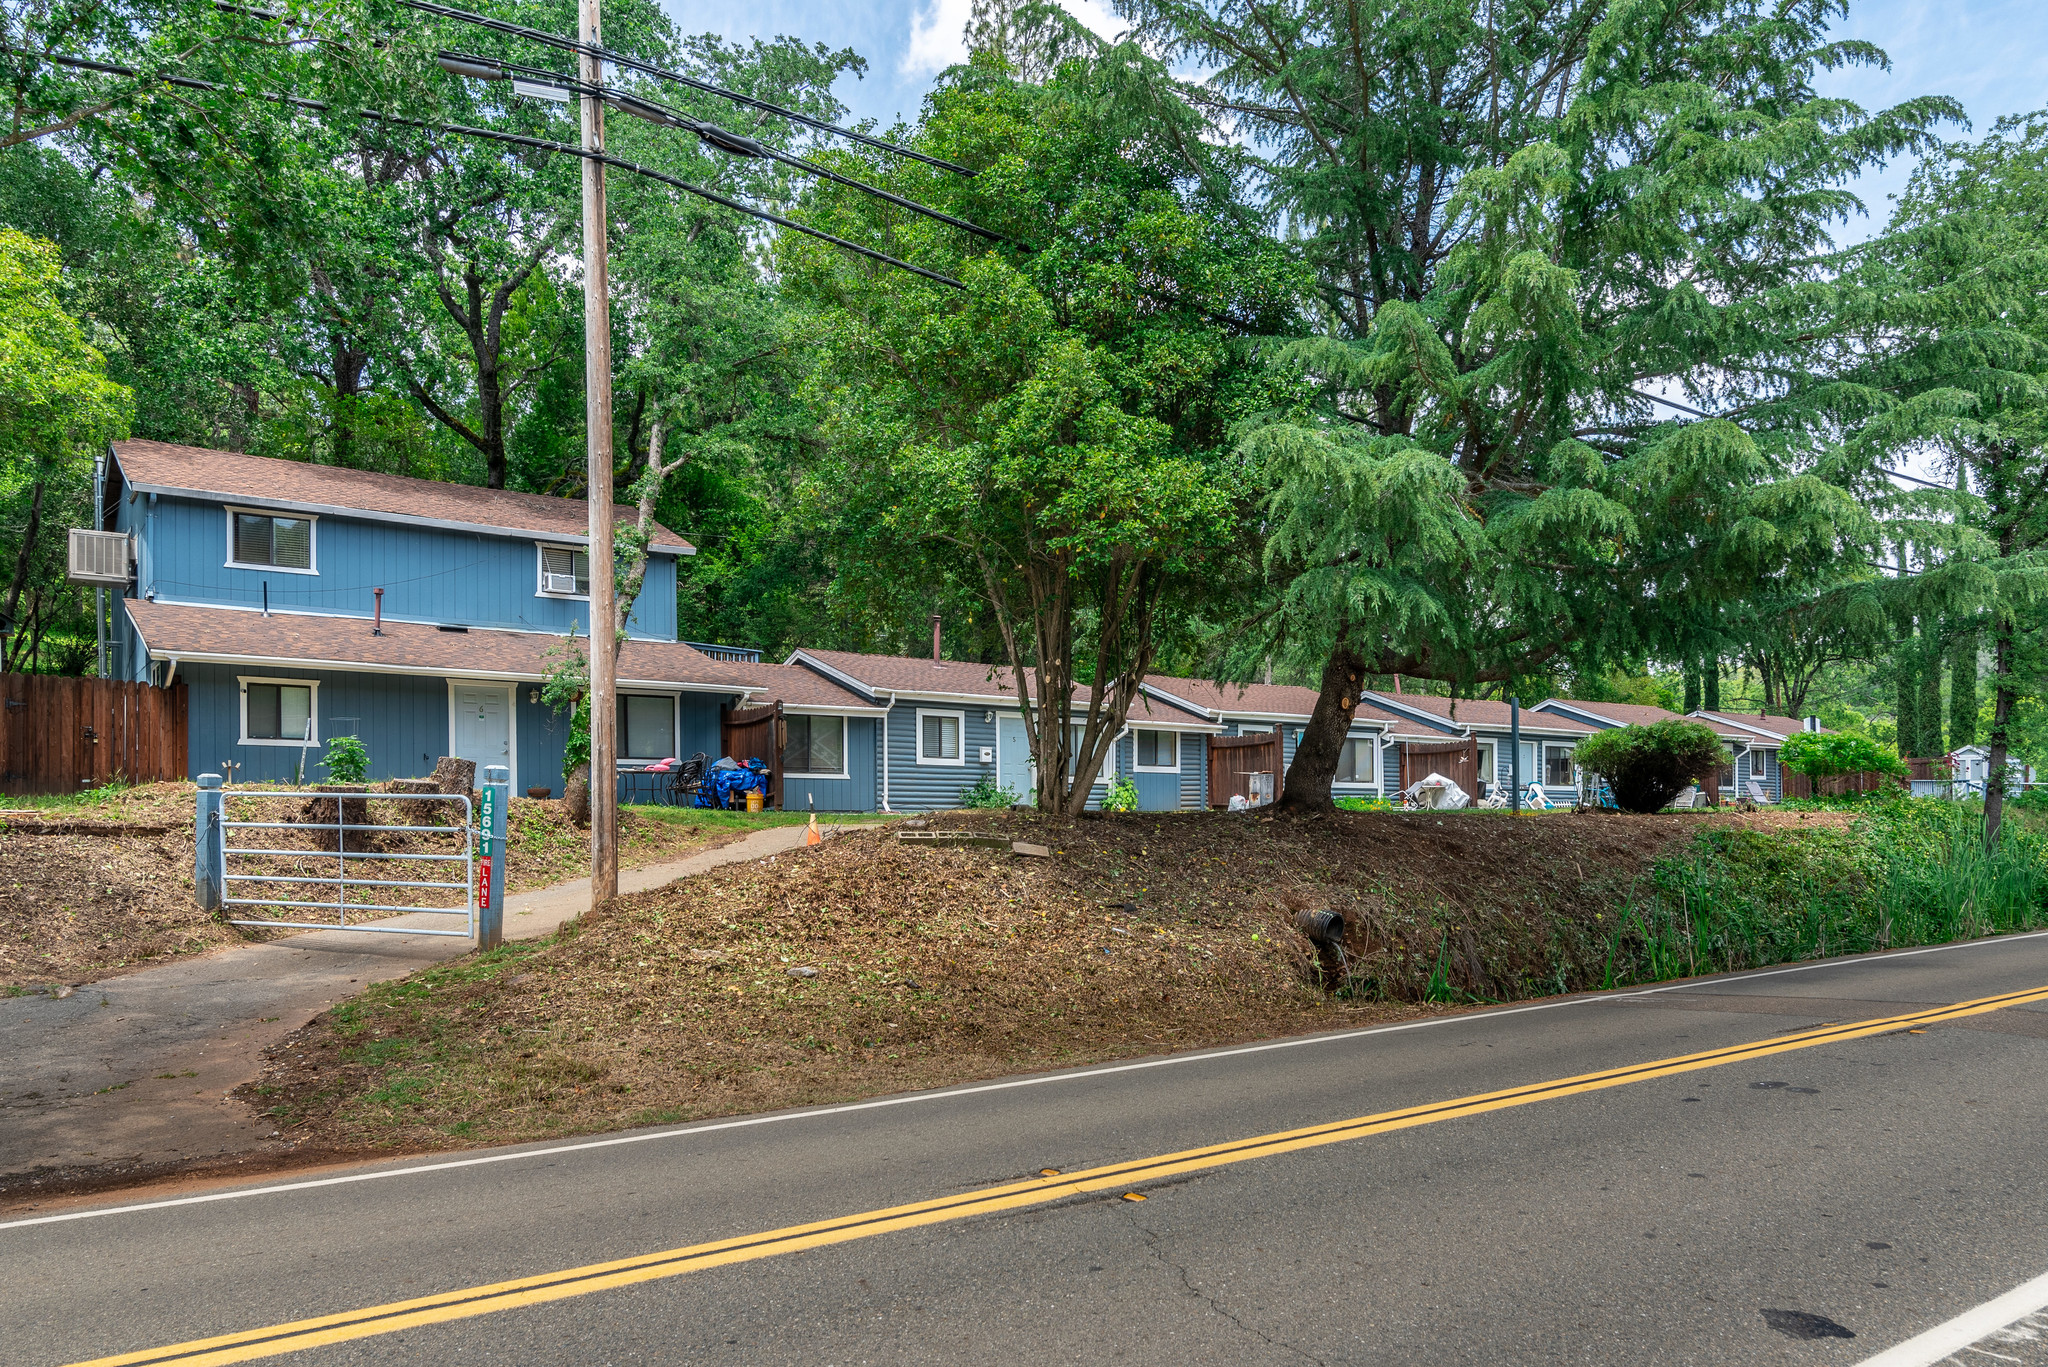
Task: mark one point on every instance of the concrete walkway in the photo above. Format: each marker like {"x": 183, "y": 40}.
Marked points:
{"x": 137, "y": 1070}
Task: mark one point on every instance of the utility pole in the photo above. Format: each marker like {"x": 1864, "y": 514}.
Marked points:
{"x": 597, "y": 416}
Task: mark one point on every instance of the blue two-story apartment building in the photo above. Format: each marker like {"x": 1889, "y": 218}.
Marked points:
{"x": 299, "y": 602}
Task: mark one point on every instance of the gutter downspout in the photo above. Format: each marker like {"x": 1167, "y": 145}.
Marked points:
{"x": 172, "y": 676}
{"x": 885, "y": 755}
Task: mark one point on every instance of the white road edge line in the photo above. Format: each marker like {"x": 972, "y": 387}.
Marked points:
{"x": 916, "y": 1098}
{"x": 1946, "y": 1340}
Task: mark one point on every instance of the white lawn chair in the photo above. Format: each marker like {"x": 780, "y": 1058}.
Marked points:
{"x": 1536, "y": 799}
{"x": 1687, "y": 799}
{"x": 1757, "y": 793}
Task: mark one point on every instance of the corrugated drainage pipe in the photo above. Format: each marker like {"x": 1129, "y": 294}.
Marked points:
{"x": 1325, "y": 930}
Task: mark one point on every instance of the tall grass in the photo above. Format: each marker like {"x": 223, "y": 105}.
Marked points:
{"x": 1908, "y": 872}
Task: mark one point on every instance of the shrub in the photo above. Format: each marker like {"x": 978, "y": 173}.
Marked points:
{"x": 346, "y": 760}
{"x": 1825, "y": 756}
{"x": 1364, "y": 804}
{"x": 986, "y": 792}
{"x": 1121, "y": 797}
{"x": 1647, "y": 766}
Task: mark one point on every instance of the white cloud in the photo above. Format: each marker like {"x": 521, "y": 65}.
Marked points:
{"x": 937, "y": 37}
{"x": 938, "y": 30}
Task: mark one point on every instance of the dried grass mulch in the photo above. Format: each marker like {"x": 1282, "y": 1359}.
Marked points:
{"x": 869, "y": 966}
{"x": 79, "y": 907}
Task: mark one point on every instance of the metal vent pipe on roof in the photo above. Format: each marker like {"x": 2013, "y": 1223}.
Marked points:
{"x": 935, "y": 638}
{"x": 377, "y": 627}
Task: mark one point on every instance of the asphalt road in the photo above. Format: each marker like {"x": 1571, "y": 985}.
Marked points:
{"x": 1752, "y": 1212}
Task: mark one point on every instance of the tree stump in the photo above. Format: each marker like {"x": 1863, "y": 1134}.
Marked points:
{"x": 576, "y": 795}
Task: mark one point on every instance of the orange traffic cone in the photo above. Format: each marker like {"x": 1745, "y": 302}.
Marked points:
{"x": 812, "y": 835}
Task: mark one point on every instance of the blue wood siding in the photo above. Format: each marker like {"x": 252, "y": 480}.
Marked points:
{"x": 428, "y": 574}
{"x": 402, "y": 721}
{"x": 854, "y": 793}
{"x": 915, "y": 787}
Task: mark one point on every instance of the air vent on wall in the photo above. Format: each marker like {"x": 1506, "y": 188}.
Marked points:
{"x": 446, "y": 628}
{"x": 98, "y": 557}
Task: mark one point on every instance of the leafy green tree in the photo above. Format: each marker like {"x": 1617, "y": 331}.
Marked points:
{"x": 1526, "y": 220}
{"x": 1938, "y": 337}
{"x": 1056, "y": 435}
{"x": 1820, "y": 754}
{"x": 1647, "y": 766}
{"x": 58, "y": 409}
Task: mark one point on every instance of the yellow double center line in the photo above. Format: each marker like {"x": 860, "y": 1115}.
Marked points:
{"x": 579, "y": 1281}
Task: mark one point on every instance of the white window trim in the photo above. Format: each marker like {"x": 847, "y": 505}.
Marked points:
{"x": 675, "y": 723}
{"x": 1489, "y": 773}
{"x": 1138, "y": 768}
{"x": 312, "y": 543}
{"x": 242, "y": 682}
{"x": 511, "y": 722}
{"x": 1378, "y": 765}
{"x": 1543, "y": 749}
{"x": 540, "y": 574}
{"x": 845, "y": 739}
{"x": 917, "y": 738}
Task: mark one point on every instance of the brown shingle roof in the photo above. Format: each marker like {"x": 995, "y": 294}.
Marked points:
{"x": 1489, "y": 713}
{"x": 911, "y": 674}
{"x": 1760, "y": 721}
{"x": 795, "y": 686}
{"x": 187, "y": 632}
{"x": 1265, "y": 700}
{"x": 160, "y": 466}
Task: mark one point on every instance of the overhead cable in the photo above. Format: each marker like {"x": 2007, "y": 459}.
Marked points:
{"x": 1895, "y": 474}
{"x": 518, "y": 140}
{"x": 620, "y": 59}
{"x": 489, "y": 69}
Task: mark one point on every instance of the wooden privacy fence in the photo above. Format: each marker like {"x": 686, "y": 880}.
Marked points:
{"x": 755, "y": 733}
{"x": 1456, "y": 760}
{"x": 59, "y": 735}
{"x": 1864, "y": 781}
{"x": 1234, "y": 759}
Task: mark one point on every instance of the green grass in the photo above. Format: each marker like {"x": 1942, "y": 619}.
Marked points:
{"x": 106, "y": 795}
{"x": 717, "y": 819}
{"x": 1904, "y": 872}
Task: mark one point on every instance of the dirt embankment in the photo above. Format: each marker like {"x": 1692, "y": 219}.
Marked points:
{"x": 873, "y": 965}
{"x": 103, "y": 886}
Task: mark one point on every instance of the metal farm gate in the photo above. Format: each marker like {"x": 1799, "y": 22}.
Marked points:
{"x": 1235, "y": 760}
{"x": 336, "y": 862}
{"x": 58, "y": 735}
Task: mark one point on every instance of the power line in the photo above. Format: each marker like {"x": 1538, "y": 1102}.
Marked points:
{"x": 675, "y": 77}
{"x": 491, "y": 69}
{"x": 1895, "y": 474}
{"x": 518, "y": 140}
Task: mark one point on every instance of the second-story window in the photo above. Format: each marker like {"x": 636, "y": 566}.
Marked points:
{"x": 271, "y": 542}
{"x": 565, "y": 571}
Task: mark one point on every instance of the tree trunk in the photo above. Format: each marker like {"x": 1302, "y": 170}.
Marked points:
{"x": 576, "y": 795}
{"x": 2004, "y": 696}
{"x": 1929, "y": 708}
{"x": 1692, "y": 689}
{"x": 1307, "y": 787}
{"x": 1962, "y": 691}
{"x": 1906, "y": 693}
{"x": 1710, "y": 683}
{"x": 22, "y": 557}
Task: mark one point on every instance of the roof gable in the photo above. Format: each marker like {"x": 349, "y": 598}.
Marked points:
{"x": 262, "y": 481}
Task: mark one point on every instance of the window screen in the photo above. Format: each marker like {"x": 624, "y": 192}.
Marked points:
{"x": 815, "y": 745}
{"x": 1159, "y": 749}
{"x": 939, "y": 738}
{"x": 286, "y": 542}
{"x": 647, "y": 727}
{"x": 1355, "y": 761}
{"x": 1557, "y": 766}
{"x": 564, "y": 569}
{"x": 279, "y": 711}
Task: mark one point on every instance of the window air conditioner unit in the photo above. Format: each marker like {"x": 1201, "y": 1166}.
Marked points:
{"x": 560, "y": 583}
{"x": 98, "y": 557}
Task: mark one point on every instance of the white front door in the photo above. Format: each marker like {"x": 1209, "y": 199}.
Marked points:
{"x": 481, "y": 728}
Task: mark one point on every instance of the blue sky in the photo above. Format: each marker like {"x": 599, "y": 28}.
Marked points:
{"x": 1990, "y": 54}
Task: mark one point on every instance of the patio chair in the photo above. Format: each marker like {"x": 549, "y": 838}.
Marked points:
{"x": 1688, "y": 799}
{"x": 687, "y": 780}
{"x": 1757, "y": 793}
